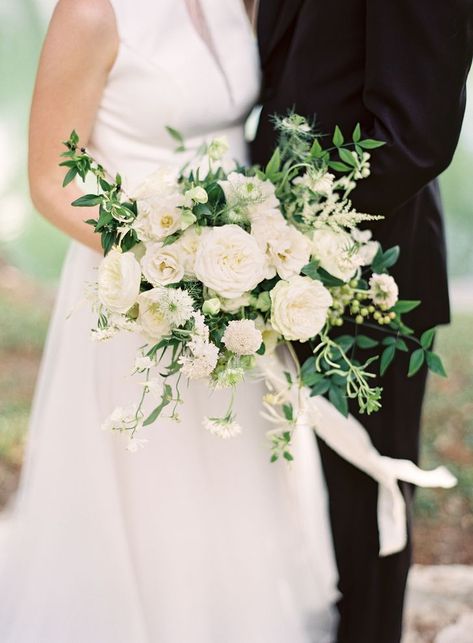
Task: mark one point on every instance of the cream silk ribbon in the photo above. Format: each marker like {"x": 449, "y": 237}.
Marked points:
{"x": 348, "y": 438}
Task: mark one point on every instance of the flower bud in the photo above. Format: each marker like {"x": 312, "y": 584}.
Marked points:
{"x": 211, "y": 306}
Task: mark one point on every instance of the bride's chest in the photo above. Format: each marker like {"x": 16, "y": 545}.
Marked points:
{"x": 175, "y": 78}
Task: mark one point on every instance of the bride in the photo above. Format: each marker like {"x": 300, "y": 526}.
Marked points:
{"x": 192, "y": 539}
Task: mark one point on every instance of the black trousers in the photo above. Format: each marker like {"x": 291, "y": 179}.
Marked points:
{"x": 372, "y": 588}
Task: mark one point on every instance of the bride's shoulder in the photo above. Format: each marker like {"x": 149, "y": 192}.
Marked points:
{"x": 86, "y": 25}
{"x": 90, "y": 16}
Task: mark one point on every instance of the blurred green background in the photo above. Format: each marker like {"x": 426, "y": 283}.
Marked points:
{"x": 32, "y": 251}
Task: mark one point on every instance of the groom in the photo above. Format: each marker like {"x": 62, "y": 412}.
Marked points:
{"x": 399, "y": 68}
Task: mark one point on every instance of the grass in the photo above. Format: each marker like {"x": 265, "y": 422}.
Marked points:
{"x": 444, "y": 524}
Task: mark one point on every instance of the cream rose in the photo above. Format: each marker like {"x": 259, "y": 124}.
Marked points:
{"x": 229, "y": 261}
{"x": 186, "y": 246}
{"x": 119, "y": 281}
{"x": 288, "y": 250}
{"x": 162, "y": 265}
{"x": 335, "y": 252}
{"x": 299, "y": 307}
{"x": 151, "y": 315}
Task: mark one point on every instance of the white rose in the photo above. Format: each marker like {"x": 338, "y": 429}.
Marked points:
{"x": 288, "y": 250}
{"x": 162, "y": 265}
{"x": 151, "y": 316}
{"x": 186, "y": 246}
{"x": 158, "y": 218}
{"x": 334, "y": 251}
{"x": 229, "y": 261}
{"x": 119, "y": 281}
{"x": 299, "y": 307}
{"x": 161, "y": 183}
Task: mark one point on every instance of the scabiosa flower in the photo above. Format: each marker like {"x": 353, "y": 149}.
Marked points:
{"x": 201, "y": 361}
{"x": 383, "y": 290}
{"x": 242, "y": 337}
{"x": 224, "y": 428}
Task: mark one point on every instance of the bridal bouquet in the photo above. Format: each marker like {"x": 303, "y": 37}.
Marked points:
{"x": 215, "y": 268}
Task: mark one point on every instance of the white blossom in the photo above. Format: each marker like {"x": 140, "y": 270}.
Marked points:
{"x": 299, "y": 307}
{"x": 383, "y": 290}
{"x": 217, "y": 148}
{"x": 123, "y": 418}
{"x": 229, "y": 261}
{"x": 201, "y": 361}
{"x": 119, "y": 281}
{"x": 242, "y": 337}
{"x": 222, "y": 427}
{"x": 162, "y": 264}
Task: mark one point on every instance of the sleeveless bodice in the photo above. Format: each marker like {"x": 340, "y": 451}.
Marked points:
{"x": 167, "y": 74}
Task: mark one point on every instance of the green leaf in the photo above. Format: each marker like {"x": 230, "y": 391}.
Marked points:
{"x": 347, "y": 157}
{"x": 339, "y": 167}
{"x": 337, "y": 139}
{"x": 345, "y": 342}
{"x": 435, "y": 364}
{"x": 274, "y": 457}
{"x": 166, "y": 398}
{"x": 416, "y": 361}
{"x": 371, "y": 144}
{"x": 427, "y": 338}
{"x": 386, "y": 359}
{"x": 321, "y": 387}
{"x": 401, "y": 346}
{"x": 311, "y": 270}
{"x": 387, "y": 341}
{"x": 70, "y": 176}
{"x": 329, "y": 280}
{"x": 356, "y": 133}
{"x": 384, "y": 260}
{"x": 88, "y": 200}
{"x": 274, "y": 164}
{"x": 288, "y": 412}
{"x": 338, "y": 398}
{"x": 366, "y": 342}
{"x": 405, "y": 305}
{"x": 288, "y": 456}
{"x": 176, "y": 135}
{"x": 316, "y": 149}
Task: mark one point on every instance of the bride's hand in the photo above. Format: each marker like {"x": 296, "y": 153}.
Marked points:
{"x": 80, "y": 48}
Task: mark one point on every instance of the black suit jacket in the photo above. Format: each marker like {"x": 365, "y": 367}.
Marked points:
{"x": 398, "y": 67}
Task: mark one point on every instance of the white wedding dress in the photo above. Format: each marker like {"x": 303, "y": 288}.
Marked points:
{"x": 192, "y": 539}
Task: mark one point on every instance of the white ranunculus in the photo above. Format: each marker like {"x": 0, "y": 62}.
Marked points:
{"x": 335, "y": 252}
{"x": 158, "y": 199}
{"x": 162, "y": 264}
{"x": 242, "y": 337}
{"x": 383, "y": 290}
{"x": 152, "y": 317}
{"x": 299, "y": 307}
{"x": 186, "y": 246}
{"x": 288, "y": 250}
{"x": 229, "y": 261}
{"x": 157, "y": 219}
{"x": 119, "y": 281}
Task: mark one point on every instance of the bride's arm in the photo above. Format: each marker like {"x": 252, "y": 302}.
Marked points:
{"x": 79, "y": 50}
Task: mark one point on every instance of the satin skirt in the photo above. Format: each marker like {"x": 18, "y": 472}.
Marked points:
{"x": 192, "y": 539}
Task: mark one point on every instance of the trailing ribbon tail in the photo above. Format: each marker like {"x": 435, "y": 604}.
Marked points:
{"x": 347, "y": 437}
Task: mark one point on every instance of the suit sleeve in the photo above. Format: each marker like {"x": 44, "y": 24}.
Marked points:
{"x": 418, "y": 54}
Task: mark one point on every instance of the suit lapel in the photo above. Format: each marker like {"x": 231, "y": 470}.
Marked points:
{"x": 274, "y": 18}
